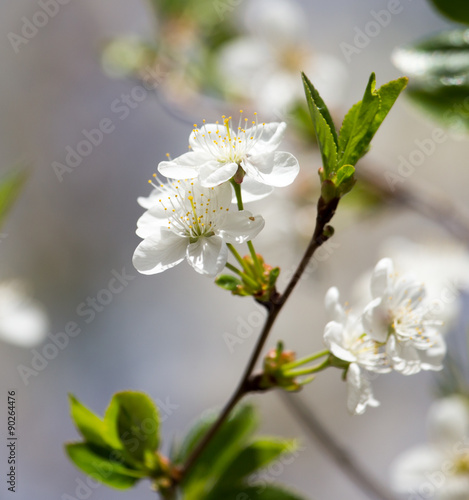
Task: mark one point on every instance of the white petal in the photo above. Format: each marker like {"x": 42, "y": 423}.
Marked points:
{"x": 411, "y": 469}
{"x": 432, "y": 358}
{"x": 276, "y": 169}
{"x": 239, "y": 227}
{"x": 207, "y": 255}
{"x": 148, "y": 201}
{"x": 405, "y": 358}
{"x": 253, "y": 190}
{"x": 185, "y": 166}
{"x": 359, "y": 394}
{"x": 334, "y": 340}
{"x": 381, "y": 277}
{"x": 214, "y": 173}
{"x": 334, "y": 309}
{"x": 270, "y": 138}
{"x": 150, "y": 222}
{"x": 448, "y": 422}
{"x": 159, "y": 252}
{"x": 374, "y": 320}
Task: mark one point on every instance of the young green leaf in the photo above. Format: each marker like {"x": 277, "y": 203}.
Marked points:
{"x": 100, "y": 464}
{"x": 91, "y": 427}
{"x": 133, "y": 419}
{"x": 344, "y": 179}
{"x": 252, "y": 458}
{"x": 326, "y": 134}
{"x": 355, "y": 134}
{"x": 10, "y": 188}
{"x": 228, "y": 282}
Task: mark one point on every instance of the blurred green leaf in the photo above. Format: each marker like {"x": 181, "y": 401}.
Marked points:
{"x": 457, "y": 10}
{"x": 11, "y": 185}
{"x": 100, "y": 464}
{"x": 324, "y": 128}
{"x": 227, "y": 443}
{"x": 135, "y": 420}
{"x": 91, "y": 427}
{"x": 439, "y": 71}
{"x": 252, "y": 458}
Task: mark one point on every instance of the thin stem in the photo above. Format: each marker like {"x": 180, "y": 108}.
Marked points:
{"x": 307, "y": 371}
{"x": 238, "y": 257}
{"x": 341, "y": 456}
{"x": 234, "y": 269}
{"x": 307, "y": 359}
{"x": 325, "y": 213}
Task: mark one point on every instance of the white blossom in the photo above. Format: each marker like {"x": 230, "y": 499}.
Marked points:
{"x": 440, "y": 468}
{"x": 218, "y": 151}
{"x": 189, "y": 221}
{"x": 399, "y": 317}
{"x": 345, "y": 338}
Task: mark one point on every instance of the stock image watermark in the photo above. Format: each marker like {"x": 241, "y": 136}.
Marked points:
{"x": 373, "y": 28}
{"x": 12, "y": 438}
{"x": 88, "y": 310}
{"x": 48, "y": 9}
{"x": 121, "y": 108}
{"x": 407, "y": 165}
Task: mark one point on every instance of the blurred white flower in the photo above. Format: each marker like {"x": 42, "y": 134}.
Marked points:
{"x": 345, "y": 338}
{"x": 190, "y": 221}
{"x": 23, "y": 321}
{"x": 265, "y": 65}
{"x": 439, "y": 469}
{"x": 218, "y": 151}
{"x": 399, "y": 317}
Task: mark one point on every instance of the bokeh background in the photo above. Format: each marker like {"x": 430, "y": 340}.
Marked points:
{"x": 166, "y": 334}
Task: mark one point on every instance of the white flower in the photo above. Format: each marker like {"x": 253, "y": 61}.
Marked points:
{"x": 193, "y": 222}
{"x": 217, "y": 151}
{"x": 23, "y": 321}
{"x": 345, "y": 338}
{"x": 439, "y": 469}
{"x": 264, "y": 65}
{"x": 399, "y": 317}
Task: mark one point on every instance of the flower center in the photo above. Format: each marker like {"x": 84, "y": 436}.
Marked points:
{"x": 226, "y": 144}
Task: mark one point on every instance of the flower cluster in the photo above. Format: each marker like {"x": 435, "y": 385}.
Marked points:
{"x": 395, "y": 331}
{"x": 190, "y": 215}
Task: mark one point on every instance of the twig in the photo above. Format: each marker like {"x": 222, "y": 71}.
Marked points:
{"x": 340, "y": 455}
{"x": 325, "y": 213}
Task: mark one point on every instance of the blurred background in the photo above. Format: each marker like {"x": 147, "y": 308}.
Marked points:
{"x": 72, "y": 230}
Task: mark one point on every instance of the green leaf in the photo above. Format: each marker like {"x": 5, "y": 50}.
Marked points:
{"x": 10, "y": 188}
{"x": 439, "y": 71}
{"x": 227, "y": 443}
{"x": 261, "y": 492}
{"x": 252, "y": 458}
{"x": 100, "y": 464}
{"x": 457, "y": 10}
{"x": 228, "y": 282}
{"x": 355, "y": 134}
{"x": 344, "y": 174}
{"x": 365, "y": 117}
{"x": 91, "y": 427}
{"x": 133, "y": 422}
{"x": 323, "y": 126}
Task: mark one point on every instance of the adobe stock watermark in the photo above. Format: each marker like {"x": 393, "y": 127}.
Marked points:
{"x": 48, "y": 9}
{"x": 84, "y": 488}
{"x": 362, "y": 37}
{"x": 88, "y": 309}
{"x": 121, "y": 108}
{"x": 407, "y": 166}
